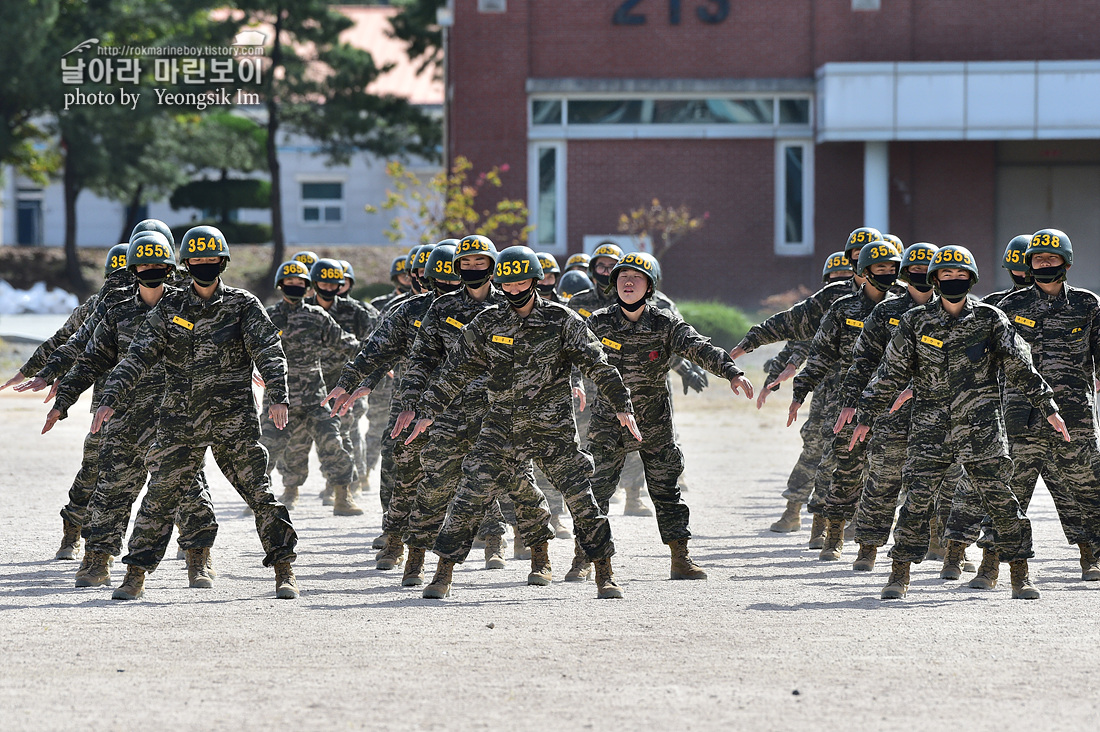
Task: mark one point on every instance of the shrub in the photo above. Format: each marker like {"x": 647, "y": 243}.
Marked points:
{"x": 235, "y": 232}
{"x": 723, "y": 324}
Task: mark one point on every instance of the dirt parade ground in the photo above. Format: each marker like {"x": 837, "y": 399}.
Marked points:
{"x": 775, "y": 639}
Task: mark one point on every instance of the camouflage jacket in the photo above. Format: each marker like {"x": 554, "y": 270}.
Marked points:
{"x": 388, "y": 346}
{"x": 72, "y": 324}
{"x": 798, "y": 323}
{"x": 528, "y": 362}
{"x": 643, "y": 352}
{"x": 208, "y": 348}
{"x": 832, "y": 349}
{"x": 871, "y": 345}
{"x": 389, "y": 301}
{"x": 1063, "y": 332}
{"x": 441, "y": 329}
{"x": 66, "y": 354}
{"x": 110, "y": 340}
{"x": 952, "y": 366}
{"x": 307, "y": 332}
{"x": 354, "y": 317}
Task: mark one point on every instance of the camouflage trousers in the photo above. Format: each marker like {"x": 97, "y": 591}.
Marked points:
{"x": 554, "y": 498}
{"x": 126, "y": 441}
{"x": 173, "y": 463}
{"x": 408, "y": 473}
{"x": 448, "y": 441}
{"x": 378, "y": 409}
{"x": 845, "y": 481}
{"x": 663, "y": 464}
{"x": 76, "y": 510}
{"x": 353, "y": 439}
{"x": 493, "y": 455}
{"x": 828, "y": 465}
{"x": 959, "y": 508}
{"x": 289, "y": 448}
{"x": 800, "y": 484}
{"x": 922, "y": 477}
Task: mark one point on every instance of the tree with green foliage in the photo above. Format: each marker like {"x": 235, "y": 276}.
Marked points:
{"x": 415, "y": 24}
{"x": 316, "y": 85}
{"x": 445, "y": 206}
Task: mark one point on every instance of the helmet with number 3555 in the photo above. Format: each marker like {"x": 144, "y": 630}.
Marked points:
{"x": 835, "y": 262}
{"x": 1050, "y": 241}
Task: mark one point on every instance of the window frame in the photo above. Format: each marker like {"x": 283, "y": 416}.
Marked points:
{"x": 321, "y": 203}
{"x": 804, "y": 248}
{"x": 561, "y": 243}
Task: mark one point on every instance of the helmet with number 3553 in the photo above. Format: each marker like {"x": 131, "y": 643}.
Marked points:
{"x": 150, "y": 247}
{"x": 954, "y": 257}
{"x": 516, "y": 264}
{"x": 1050, "y": 241}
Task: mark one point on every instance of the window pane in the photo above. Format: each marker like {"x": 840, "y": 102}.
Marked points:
{"x": 546, "y": 224}
{"x": 311, "y": 213}
{"x": 792, "y": 165}
{"x": 315, "y": 191}
{"x": 605, "y": 112}
{"x": 794, "y": 111}
{"x": 546, "y": 112}
{"x": 671, "y": 111}
{"x": 332, "y": 213}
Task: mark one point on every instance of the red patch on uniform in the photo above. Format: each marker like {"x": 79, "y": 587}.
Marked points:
{"x": 654, "y": 355}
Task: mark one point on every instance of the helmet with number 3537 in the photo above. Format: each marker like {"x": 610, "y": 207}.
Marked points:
{"x": 954, "y": 257}
{"x": 1049, "y": 241}
{"x": 516, "y": 264}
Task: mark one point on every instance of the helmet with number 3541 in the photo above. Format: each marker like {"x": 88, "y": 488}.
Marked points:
{"x": 204, "y": 241}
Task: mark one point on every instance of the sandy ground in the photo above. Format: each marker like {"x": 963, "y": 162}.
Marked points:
{"x": 774, "y": 640}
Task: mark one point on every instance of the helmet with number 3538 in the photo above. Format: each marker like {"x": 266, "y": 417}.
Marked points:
{"x": 1050, "y": 241}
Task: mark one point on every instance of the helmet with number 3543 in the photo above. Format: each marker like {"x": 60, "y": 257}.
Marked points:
{"x": 516, "y": 264}
{"x": 1049, "y": 241}
{"x": 954, "y": 257}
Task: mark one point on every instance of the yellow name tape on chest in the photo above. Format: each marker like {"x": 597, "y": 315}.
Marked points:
{"x": 185, "y": 323}
{"x": 854, "y": 323}
{"x": 455, "y": 323}
{"x": 1024, "y": 321}
{"x": 584, "y": 312}
{"x": 280, "y": 332}
{"x": 611, "y": 344}
{"x": 503, "y": 339}
{"x": 1075, "y": 330}
{"x": 931, "y": 341}
{"x": 895, "y": 321}
{"x": 416, "y": 323}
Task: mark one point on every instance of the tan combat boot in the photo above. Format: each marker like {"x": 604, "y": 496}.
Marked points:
{"x": 540, "y": 565}
{"x": 1090, "y": 565}
{"x": 519, "y": 549}
{"x": 606, "y": 589}
{"x": 289, "y": 497}
{"x": 986, "y": 578}
{"x": 441, "y": 582}
{"x": 286, "y": 585}
{"x": 791, "y": 520}
{"x": 343, "y": 504}
{"x": 70, "y": 541}
{"x": 198, "y": 561}
{"x": 952, "y": 561}
{"x": 936, "y": 550}
{"x": 1022, "y": 589}
{"x": 379, "y": 542}
{"x": 327, "y": 496}
{"x": 865, "y": 560}
{"x": 393, "y": 555}
{"x": 817, "y": 532}
{"x": 967, "y": 565}
{"x": 634, "y": 505}
{"x": 93, "y": 570}
{"x": 683, "y": 566}
{"x": 561, "y": 531}
{"x": 581, "y": 569}
{"x": 494, "y": 552}
{"x": 834, "y": 541}
{"x": 414, "y": 569}
{"x": 133, "y": 586}
{"x": 898, "y": 584}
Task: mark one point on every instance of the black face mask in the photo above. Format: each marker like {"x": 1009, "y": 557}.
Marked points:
{"x": 919, "y": 281}
{"x": 1020, "y": 280}
{"x": 602, "y": 280}
{"x": 417, "y": 287}
{"x": 205, "y": 275}
{"x": 152, "y": 277}
{"x": 546, "y": 290}
{"x": 1047, "y": 275}
{"x": 444, "y": 287}
{"x": 954, "y": 290}
{"x": 326, "y": 295}
{"x": 475, "y": 278}
{"x": 881, "y": 282}
{"x": 293, "y": 292}
{"x": 631, "y": 307}
{"x": 519, "y": 299}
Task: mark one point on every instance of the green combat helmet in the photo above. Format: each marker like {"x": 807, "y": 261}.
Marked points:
{"x": 349, "y": 271}
{"x": 440, "y": 269}
{"x": 397, "y": 267}
{"x": 1049, "y": 241}
{"x": 328, "y": 271}
{"x": 859, "y": 237}
{"x": 154, "y": 225}
{"x": 200, "y": 242}
{"x": 516, "y": 264}
{"x": 606, "y": 249}
{"x": 953, "y": 257}
{"x": 836, "y": 262}
{"x": 572, "y": 283}
{"x": 645, "y": 263}
{"x": 307, "y": 258}
{"x": 549, "y": 263}
{"x": 917, "y": 254}
{"x": 292, "y": 268}
{"x": 882, "y": 252}
{"x": 895, "y": 241}
{"x": 473, "y": 244}
{"x": 1015, "y": 260}
{"x": 151, "y": 247}
{"x": 577, "y": 261}
{"x": 116, "y": 259}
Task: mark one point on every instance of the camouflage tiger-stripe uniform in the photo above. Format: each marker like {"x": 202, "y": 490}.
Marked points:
{"x": 388, "y": 348}
{"x": 452, "y": 435}
{"x": 1063, "y": 332}
{"x": 952, "y": 365}
{"x": 127, "y": 437}
{"x": 529, "y": 362}
{"x": 643, "y": 353}
{"x": 378, "y": 406}
{"x": 307, "y": 332}
{"x": 840, "y": 471}
{"x": 208, "y": 348}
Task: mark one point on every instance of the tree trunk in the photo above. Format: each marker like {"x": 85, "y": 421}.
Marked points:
{"x": 77, "y": 283}
{"x": 278, "y": 249}
{"x": 130, "y": 220}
